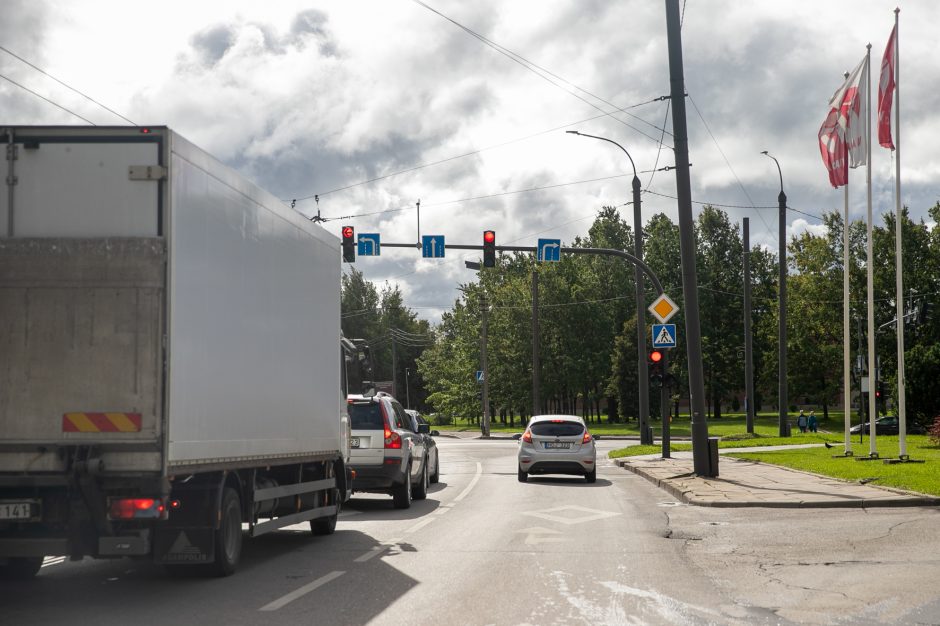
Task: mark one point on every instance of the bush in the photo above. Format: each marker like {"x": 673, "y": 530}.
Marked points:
{"x": 934, "y": 432}
{"x": 439, "y": 419}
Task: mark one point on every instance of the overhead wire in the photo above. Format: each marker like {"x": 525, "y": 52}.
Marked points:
{"x": 67, "y": 86}
{"x": 55, "y": 104}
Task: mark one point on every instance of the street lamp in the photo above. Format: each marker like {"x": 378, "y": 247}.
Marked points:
{"x": 782, "y": 304}
{"x": 646, "y": 436}
{"x": 407, "y": 388}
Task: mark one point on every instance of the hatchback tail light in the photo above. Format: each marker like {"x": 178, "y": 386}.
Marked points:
{"x": 586, "y": 438}
{"x": 527, "y": 436}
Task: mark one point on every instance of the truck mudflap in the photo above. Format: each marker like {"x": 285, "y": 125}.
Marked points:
{"x": 183, "y": 546}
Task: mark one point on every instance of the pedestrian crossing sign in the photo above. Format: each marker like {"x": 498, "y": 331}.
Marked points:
{"x": 664, "y": 335}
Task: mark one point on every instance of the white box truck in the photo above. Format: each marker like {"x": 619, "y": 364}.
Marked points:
{"x": 170, "y": 355}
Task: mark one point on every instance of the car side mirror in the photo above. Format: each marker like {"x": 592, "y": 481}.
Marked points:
{"x": 435, "y": 433}
{"x": 424, "y": 429}
{"x": 517, "y": 436}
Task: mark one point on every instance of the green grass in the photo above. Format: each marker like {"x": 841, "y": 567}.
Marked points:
{"x": 920, "y": 477}
{"x": 740, "y": 440}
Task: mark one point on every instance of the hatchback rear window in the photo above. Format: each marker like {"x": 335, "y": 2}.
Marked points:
{"x": 557, "y": 429}
{"x": 366, "y": 416}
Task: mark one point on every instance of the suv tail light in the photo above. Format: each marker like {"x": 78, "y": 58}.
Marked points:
{"x": 527, "y": 436}
{"x": 392, "y": 439}
{"x": 586, "y": 438}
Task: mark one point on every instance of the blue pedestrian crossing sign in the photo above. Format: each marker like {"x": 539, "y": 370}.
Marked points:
{"x": 432, "y": 246}
{"x": 664, "y": 335}
{"x": 479, "y": 376}
{"x": 549, "y": 249}
{"x": 368, "y": 244}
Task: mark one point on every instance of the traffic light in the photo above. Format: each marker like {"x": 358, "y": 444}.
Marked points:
{"x": 349, "y": 244}
{"x": 655, "y": 365}
{"x": 489, "y": 248}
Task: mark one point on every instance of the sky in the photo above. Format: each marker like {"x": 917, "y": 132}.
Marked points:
{"x": 373, "y": 105}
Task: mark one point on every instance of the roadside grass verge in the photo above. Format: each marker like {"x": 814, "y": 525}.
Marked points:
{"x": 920, "y": 477}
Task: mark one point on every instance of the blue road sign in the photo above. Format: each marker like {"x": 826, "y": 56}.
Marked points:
{"x": 549, "y": 249}
{"x": 368, "y": 244}
{"x": 479, "y": 376}
{"x": 432, "y": 246}
{"x": 664, "y": 335}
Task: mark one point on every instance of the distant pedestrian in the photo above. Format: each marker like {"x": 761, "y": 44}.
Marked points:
{"x": 811, "y": 421}
{"x": 801, "y": 421}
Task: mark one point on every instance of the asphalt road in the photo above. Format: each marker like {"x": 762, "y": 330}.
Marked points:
{"x": 486, "y": 549}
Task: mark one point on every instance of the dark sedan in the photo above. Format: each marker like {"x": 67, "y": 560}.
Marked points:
{"x": 887, "y": 425}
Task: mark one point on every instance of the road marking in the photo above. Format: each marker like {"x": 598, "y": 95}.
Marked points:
{"x": 441, "y": 511}
{"x": 420, "y": 525}
{"x": 534, "y": 533}
{"x": 53, "y": 560}
{"x": 473, "y": 483}
{"x": 293, "y": 595}
{"x": 379, "y": 549}
{"x": 587, "y": 515}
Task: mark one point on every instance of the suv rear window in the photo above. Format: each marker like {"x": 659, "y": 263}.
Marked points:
{"x": 366, "y": 416}
{"x": 557, "y": 429}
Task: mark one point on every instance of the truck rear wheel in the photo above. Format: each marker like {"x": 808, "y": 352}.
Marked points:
{"x": 20, "y": 567}
{"x": 327, "y": 525}
{"x": 228, "y": 538}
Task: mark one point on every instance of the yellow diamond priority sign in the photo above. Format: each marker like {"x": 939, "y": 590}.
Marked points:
{"x": 663, "y": 308}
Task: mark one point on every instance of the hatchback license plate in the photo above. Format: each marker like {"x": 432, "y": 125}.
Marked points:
{"x": 557, "y": 445}
{"x": 354, "y": 442}
{"x": 16, "y": 510}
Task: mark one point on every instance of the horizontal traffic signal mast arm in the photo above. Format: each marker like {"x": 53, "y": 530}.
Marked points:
{"x": 602, "y": 251}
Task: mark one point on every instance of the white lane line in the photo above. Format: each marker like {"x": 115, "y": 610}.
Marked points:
{"x": 293, "y": 595}
{"x": 420, "y": 525}
{"x": 473, "y": 483}
{"x": 441, "y": 511}
{"x": 377, "y": 550}
{"x": 53, "y": 560}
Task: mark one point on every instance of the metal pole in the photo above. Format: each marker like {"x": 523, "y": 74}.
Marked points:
{"x": 486, "y": 379}
{"x": 700, "y": 456}
{"x": 536, "y": 390}
{"x": 643, "y": 401}
{"x": 664, "y": 402}
{"x": 846, "y": 326}
{"x": 898, "y": 257}
{"x": 11, "y": 180}
{"x": 781, "y": 305}
{"x": 748, "y": 345}
{"x": 872, "y": 375}
{"x": 407, "y": 388}
{"x": 394, "y": 368}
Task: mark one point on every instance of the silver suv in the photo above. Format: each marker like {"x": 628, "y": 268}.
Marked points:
{"x": 388, "y": 452}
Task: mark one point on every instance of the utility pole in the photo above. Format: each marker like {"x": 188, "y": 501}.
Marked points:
{"x": 701, "y": 458}
{"x": 486, "y": 378}
{"x": 748, "y": 346}
{"x": 394, "y": 368}
{"x": 536, "y": 391}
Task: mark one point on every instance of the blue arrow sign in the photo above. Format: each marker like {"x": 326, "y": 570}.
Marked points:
{"x": 664, "y": 335}
{"x": 479, "y": 376}
{"x": 368, "y": 244}
{"x": 549, "y": 249}
{"x": 432, "y": 246}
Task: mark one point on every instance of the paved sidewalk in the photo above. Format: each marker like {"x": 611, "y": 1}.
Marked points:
{"x": 749, "y": 484}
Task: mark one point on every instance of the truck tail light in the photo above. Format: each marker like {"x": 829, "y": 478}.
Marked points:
{"x": 137, "y": 508}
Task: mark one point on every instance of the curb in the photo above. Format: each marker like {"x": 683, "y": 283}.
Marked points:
{"x": 683, "y": 495}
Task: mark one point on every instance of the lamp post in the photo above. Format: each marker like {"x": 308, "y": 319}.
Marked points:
{"x": 407, "y": 388}
{"x": 646, "y": 435}
{"x": 782, "y": 304}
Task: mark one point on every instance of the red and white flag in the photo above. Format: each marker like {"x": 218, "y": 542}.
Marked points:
{"x": 851, "y": 100}
{"x": 886, "y": 91}
{"x": 832, "y": 148}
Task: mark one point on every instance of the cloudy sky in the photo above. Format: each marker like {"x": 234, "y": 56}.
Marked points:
{"x": 319, "y": 97}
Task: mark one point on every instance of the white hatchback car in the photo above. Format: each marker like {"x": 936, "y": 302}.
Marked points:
{"x": 557, "y": 444}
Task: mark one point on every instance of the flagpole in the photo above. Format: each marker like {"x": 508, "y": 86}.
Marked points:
{"x": 898, "y": 258}
{"x": 846, "y": 327}
{"x": 872, "y": 371}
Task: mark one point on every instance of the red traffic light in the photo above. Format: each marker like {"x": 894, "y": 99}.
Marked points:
{"x": 656, "y": 356}
{"x": 347, "y": 232}
{"x": 489, "y": 236}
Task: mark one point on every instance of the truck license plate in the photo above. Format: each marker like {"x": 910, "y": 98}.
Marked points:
{"x": 354, "y": 442}
{"x": 16, "y": 510}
